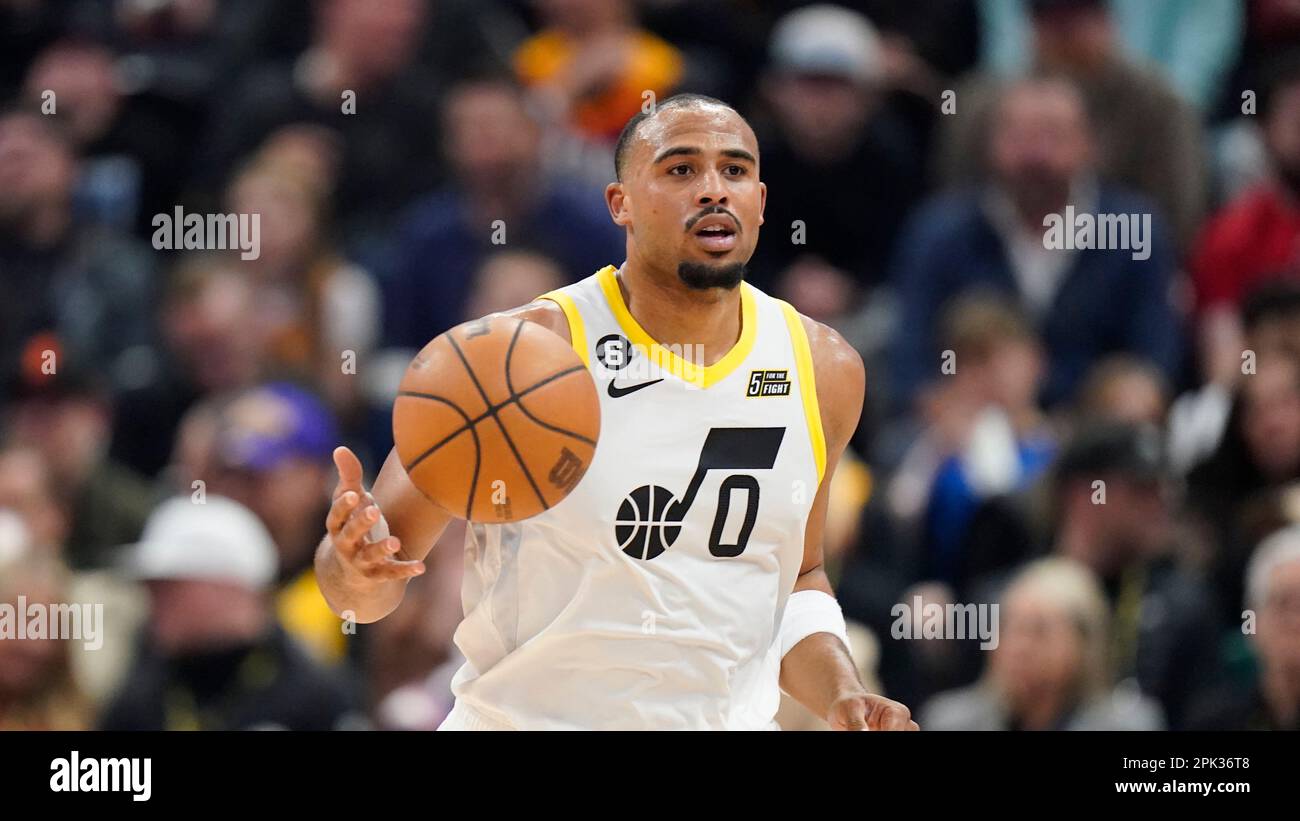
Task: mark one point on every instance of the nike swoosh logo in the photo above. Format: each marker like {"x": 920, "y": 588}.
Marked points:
{"x": 615, "y": 391}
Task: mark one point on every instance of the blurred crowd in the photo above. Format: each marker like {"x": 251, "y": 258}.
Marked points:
{"x": 1104, "y": 443}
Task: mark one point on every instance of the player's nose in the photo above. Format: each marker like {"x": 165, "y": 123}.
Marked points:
{"x": 711, "y": 190}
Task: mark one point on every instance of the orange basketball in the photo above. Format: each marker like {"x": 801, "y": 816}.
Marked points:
{"x": 496, "y": 420}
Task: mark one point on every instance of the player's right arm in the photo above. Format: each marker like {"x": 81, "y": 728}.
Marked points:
{"x": 365, "y": 578}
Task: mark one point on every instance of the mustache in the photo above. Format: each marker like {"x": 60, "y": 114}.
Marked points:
{"x": 710, "y": 211}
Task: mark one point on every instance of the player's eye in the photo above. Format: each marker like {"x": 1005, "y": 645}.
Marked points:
{"x": 680, "y": 170}
{"x": 735, "y": 170}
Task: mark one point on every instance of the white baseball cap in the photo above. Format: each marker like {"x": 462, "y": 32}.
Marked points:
{"x": 215, "y": 539}
{"x": 827, "y": 39}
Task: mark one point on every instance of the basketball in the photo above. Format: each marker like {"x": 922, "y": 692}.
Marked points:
{"x": 496, "y": 420}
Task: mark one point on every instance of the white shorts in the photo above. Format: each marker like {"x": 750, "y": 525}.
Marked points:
{"x": 464, "y": 717}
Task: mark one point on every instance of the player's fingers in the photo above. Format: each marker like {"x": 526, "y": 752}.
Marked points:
{"x": 851, "y": 715}
{"x": 354, "y": 531}
{"x": 394, "y": 569}
{"x": 340, "y": 510}
{"x": 893, "y": 716}
{"x": 349, "y": 468}
{"x": 378, "y": 551}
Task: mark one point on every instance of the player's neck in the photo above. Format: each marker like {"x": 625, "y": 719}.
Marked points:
{"x": 674, "y": 314}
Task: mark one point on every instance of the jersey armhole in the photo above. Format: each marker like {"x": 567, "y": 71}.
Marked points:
{"x": 807, "y": 385}
{"x": 577, "y": 331}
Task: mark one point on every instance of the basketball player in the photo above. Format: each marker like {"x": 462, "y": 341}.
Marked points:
{"x": 680, "y": 584}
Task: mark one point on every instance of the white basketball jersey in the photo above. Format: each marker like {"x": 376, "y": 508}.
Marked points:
{"x": 651, "y": 596}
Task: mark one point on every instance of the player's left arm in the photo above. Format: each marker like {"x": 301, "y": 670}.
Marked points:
{"x": 818, "y": 671}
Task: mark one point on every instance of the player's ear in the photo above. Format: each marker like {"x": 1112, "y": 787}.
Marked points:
{"x": 762, "y": 201}
{"x": 616, "y": 199}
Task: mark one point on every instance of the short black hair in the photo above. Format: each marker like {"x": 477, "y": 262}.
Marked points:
{"x": 634, "y": 122}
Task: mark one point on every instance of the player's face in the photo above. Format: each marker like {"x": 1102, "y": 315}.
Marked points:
{"x": 691, "y": 198}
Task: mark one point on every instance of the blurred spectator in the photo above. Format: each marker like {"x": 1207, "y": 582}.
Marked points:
{"x": 984, "y": 446}
{"x": 1113, "y": 513}
{"x": 359, "y": 78}
{"x": 66, "y": 416}
{"x": 214, "y": 656}
{"x": 1194, "y": 42}
{"x": 1272, "y": 33}
{"x": 1085, "y": 303}
{"x": 28, "y": 492}
{"x": 1146, "y": 137}
{"x": 591, "y": 65}
{"x": 27, "y": 489}
{"x": 721, "y": 41}
{"x": 458, "y": 35}
{"x": 841, "y": 171}
{"x": 986, "y": 436}
{"x": 925, "y": 42}
{"x": 1234, "y": 491}
{"x": 508, "y": 279}
{"x": 1050, "y": 668}
{"x": 1122, "y": 388}
{"x": 498, "y": 198}
{"x": 133, "y": 159}
{"x": 209, "y": 348}
{"x": 271, "y": 450}
{"x": 1273, "y": 594}
{"x": 90, "y": 286}
{"x": 37, "y": 688}
{"x": 193, "y": 459}
{"x": 1270, "y": 319}
{"x": 1254, "y": 238}
{"x": 175, "y": 52}
{"x": 318, "y": 313}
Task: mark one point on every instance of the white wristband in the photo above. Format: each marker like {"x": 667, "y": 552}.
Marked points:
{"x": 808, "y": 612}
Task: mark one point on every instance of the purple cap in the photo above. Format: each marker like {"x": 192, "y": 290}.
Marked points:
{"x": 267, "y": 425}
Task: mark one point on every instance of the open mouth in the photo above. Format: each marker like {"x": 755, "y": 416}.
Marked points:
{"x": 716, "y": 234}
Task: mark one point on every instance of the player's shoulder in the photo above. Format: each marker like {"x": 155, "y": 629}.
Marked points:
{"x": 840, "y": 376}
{"x": 834, "y": 359}
{"x": 544, "y": 312}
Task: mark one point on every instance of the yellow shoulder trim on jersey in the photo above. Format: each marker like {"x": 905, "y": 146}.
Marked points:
{"x": 705, "y": 376}
{"x": 807, "y": 384}
{"x": 577, "y": 330}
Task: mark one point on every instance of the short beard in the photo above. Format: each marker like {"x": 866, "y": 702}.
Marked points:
{"x": 701, "y": 277}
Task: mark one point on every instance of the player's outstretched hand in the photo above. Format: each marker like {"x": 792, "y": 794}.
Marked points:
{"x": 366, "y": 557}
{"x": 864, "y": 711}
